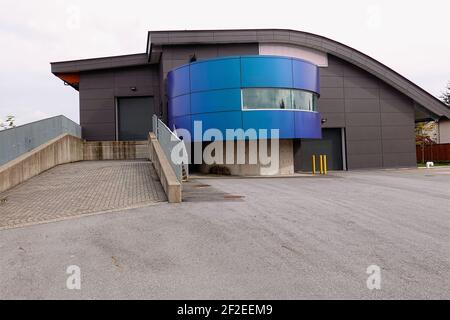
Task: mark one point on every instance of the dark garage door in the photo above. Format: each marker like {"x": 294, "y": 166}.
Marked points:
{"x": 135, "y": 117}
{"x": 330, "y": 144}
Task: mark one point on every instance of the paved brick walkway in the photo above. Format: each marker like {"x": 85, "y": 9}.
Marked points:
{"x": 80, "y": 188}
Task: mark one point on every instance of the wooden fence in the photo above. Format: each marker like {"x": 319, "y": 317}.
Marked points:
{"x": 433, "y": 152}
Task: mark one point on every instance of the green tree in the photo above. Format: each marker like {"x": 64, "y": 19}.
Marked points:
{"x": 426, "y": 135}
{"x": 445, "y": 97}
{"x": 426, "y": 132}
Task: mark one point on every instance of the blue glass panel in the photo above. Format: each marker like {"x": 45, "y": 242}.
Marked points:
{"x": 219, "y": 120}
{"x": 215, "y": 74}
{"x": 308, "y": 125}
{"x": 210, "y": 90}
{"x": 305, "y": 75}
{"x": 270, "y": 119}
{"x": 179, "y": 106}
{"x": 266, "y": 72}
{"x": 178, "y": 82}
{"x": 216, "y": 100}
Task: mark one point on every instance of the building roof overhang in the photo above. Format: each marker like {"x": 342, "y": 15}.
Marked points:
{"x": 70, "y": 70}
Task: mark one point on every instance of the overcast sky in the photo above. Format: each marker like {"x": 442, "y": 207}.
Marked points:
{"x": 412, "y": 37}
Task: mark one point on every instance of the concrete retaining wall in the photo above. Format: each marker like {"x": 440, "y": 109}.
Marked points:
{"x": 285, "y": 165}
{"x": 62, "y": 149}
{"x": 17, "y": 141}
{"x": 115, "y": 150}
{"x": 67, "y": 148}
{"x": 167, "y": 176}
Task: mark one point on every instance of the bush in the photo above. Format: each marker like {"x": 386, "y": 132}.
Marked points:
{"x": 220, "y": 170}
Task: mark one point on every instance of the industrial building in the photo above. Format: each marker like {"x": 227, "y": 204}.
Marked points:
{"x": 323, "y": 96}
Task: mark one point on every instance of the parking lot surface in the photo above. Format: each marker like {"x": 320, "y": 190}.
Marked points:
{"x": 281, "y": 238}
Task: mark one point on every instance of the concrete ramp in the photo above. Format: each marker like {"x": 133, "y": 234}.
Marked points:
{"x": 78, "y": 189}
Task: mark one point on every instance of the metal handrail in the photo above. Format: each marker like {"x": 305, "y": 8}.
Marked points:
{"x": 168, "y": 141}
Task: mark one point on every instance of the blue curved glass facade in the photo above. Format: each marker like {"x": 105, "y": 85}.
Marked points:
{"x": 211, "y": 91}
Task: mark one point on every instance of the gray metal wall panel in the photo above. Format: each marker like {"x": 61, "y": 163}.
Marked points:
{"x": 96, "y": 104}
{"x": 142, "y": 90}
{"x": 397, "y": 119}
{"x": 98, "y": 90}
{"x": 88, "y": 94}
{"x": 388, "y": 106}
{"x": 362, "y": 105}
{"x": 399, "y": 159}
{"x": 360, "y": 82}
{"x": 363, "y": 147}
{"x": 361, "y": 93}
{"x": 398, "y": 145}
{"x": 335, "y": 68}
{"x": 363, "y": 133}
{"x": 98, "y": 81}
{"x": 331, "y": 92}
{"x": 363, "y": 161}
{"x": 332, "y": 82}
{"x": 98, "y": 116}
{"x": 331, "y": 105}
{"x": 98, "y": 131}
{"x": 334, "y": 120}
{"x": 362, "y": 119}
{"x": 396, "y": 132}
{"x": 379, "y": 120}
{"x": 388, "y": 93}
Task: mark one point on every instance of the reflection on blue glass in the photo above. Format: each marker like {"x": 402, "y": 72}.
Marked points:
{"x": 178, "y": 82}
{"x": 215, "y": 74}
{"x": 263, "y": 71}
{"x": 215, "y": 120}
{"x": 216, "y": 100}
{"x": 305, "y": 76}
{"x": 270, "y": 119}
{"x": 308, "y": 125}
{"x": 179, "y": 106}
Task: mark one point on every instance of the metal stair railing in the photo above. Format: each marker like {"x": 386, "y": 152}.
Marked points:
{"x": 168, "y": 141}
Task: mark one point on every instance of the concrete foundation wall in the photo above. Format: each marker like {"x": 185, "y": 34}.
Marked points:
{"x": 62, "y": 149}
{"x": 115, "y": 150}
{"x": 285, "y": 164}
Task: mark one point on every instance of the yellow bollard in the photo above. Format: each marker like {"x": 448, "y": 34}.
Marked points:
{"x": 313, "y": 164}
{"x": 321, "y": 164}
{"x": 324, "y": 164}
